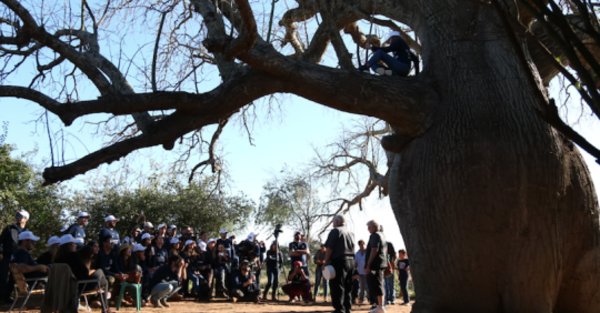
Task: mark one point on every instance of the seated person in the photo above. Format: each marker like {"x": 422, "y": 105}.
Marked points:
{"x": 139, "y": 259}
{"x": 67, "y": 254}
{"x": 108, "y": 261}
{"x": 166, "y": 281}
{"x": 46, "y": 257}
{"x": 22, "y": 257}
{"x": 300, "y": 285}
{"x": 244, "y": 286}
{"x": 398, "y": 64}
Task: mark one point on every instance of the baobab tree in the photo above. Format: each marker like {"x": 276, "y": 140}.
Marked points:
{"x": 496, "y": 206}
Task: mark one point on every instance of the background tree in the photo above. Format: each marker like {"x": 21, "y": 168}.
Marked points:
{"x": 475, "y": 172}
{"x": 292, "y": 199}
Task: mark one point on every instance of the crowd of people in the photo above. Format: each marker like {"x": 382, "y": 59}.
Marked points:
{"x": 170, "y": 264}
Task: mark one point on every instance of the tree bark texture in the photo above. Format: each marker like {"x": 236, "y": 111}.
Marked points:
{"x": 497, "y": 209}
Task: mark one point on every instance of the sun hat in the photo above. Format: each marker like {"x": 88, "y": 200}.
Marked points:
{"x": 53, "y": 240}
{"x": 23, "y": 213}
{"x": 27, "y": 235}
{"x": 67, "y": 239}
{"x": 110, "y": 218}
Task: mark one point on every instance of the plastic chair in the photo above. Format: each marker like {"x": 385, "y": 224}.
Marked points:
{"x": 138, "y": 293}
{"x": 23, "y": 288}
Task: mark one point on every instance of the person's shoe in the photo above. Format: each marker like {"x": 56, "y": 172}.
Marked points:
{"x": 95, "y": 304}
{"x": 157, "y": 304}
{"x": 406, "y": 303}
{"x": 234, "y": 299}
{"x": 129, "y": 299}
{"x": 81, "y": 308}
{"x": 292, "y": 299}
{"x": 144, "y": 303}
{"x": 378, "y": 309}
{"x": 273, "y": 298}
{"x": 373, "y": 306}
{"x": 164, "y": 303}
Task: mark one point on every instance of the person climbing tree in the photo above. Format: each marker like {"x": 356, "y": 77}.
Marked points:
{"x": 398, "y": 64}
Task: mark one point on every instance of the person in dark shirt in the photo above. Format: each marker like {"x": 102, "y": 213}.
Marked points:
{"x": 300, "y": 285}
{"x": 340, "y": 254}
{"x": 244, "y": 285}
{"x": 108, "y": 261}
{"x": 139, "y": 258}
{"x": 77, "y": 230}
{"x": 47, "y": 257}
{"x": 376, "y": 263}
{"x": 319, "y": 260}
{"x": 190, "y": 256}
{"x": 403, "y": 267}
{"x": 274, "y": 261}
{"x": 25, "y": 263}
{"x": 9, "y": 240}
{"x": 110, "y": 222}
{"x": 388, "y": 282}
{"x": 166, "y": 281}
{"x": 299, "y": 252}
{"x": 397, "y": 64}
{"x": 221, "y": 267}
{"x": 67, "y": 254}
{"x": 161, "y": 252}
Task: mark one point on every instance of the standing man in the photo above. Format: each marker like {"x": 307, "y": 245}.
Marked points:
{"x": 77, "y": 230}
{"x": 390, "y": 289}
{"x": 9, "y": 241}
{"x": 319, "y": 261}
{"x": 403, "y": 270}
{"x": 359, "y": 261}
{"x": 376, "y": 264}
{"x": 340, "y": 254}
{"x": 299, "y": 252}
{"x": 110, "y": 222}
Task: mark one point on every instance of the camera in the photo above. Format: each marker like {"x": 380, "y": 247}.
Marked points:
{"x": 277, "y": 230}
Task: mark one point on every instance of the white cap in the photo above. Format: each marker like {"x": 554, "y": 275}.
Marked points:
{"x": 79, "y": 240}
{"x": 202, "y": 245}
{"x": 297, "y": 232}
{"x": 53, "y": 240}
{"x": 223, "y": 231}
{"x": 24, "y": 213}
{"x": 251, "y": 236}
{"x": 83, "y": 214}
{"x": 393, "y": 34}
{"x": 64, "y": 228}
{"x": 146, "y": 236}
{"x": 27, "y": 235}
{"x": 161, "y": 226}
{"x": 174, "y": 240}
{"x": 148, "y": 224}
{"x": 173, "y": 227}
{"x": 138, "y": 247}
{"x": 210, "y": 240}
{"x": 110, "y": 218}
{"x": 67, "y": 239}
{"x": 189, "y": 242}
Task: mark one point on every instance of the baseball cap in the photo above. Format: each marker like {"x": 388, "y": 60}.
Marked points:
{"x": 146, "y": 236}
{"x": 297, "y": 232}
{"x": 297, "y": 263}
{"x": 83, "y": 214}
{"x": 23, "y": 213}
{"x": 27, "y": 235}
{"x": 210, "y": 240}
{"x": 53, "y": 240}
{"x": 64, "y": 228}
{"x": 174, "y": 240}
{"x": 148, "y": 224}
{"x": 138, "y": 247}
{"x": 251, "y": 236}
{"x": 110, "y": 218}
{"x": 223, "y": 231}
{"x": 67, "y": 239}
{"x": 161, "y": 226}
{"x": 189, "y": 242}
{"x": 393, "y": 34}
{"x": 173, "y": 227}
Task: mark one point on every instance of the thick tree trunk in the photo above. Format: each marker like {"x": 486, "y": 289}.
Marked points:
{"x": 497, "y": 209}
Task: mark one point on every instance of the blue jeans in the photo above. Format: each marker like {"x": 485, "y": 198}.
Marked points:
{"x": 397, "y": 67}
{"x": 363, "y": 288}
{"x": 272, "y": 280}
{"x": 163, "y": 291}
{"x": 318, "y": 277}
{"x": 195, "y": 281}
{"x": 390, "y": 289}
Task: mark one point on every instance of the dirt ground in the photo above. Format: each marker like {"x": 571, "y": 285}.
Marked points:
{"x": 226, "y": 306}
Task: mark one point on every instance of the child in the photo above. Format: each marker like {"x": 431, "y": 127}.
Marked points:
{"x": 403, "y": 270}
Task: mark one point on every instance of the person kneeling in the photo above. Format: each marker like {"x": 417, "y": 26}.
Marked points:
{"x": 244, "y": 285}
{"x": 300, "y": 285}
{"x": 166, "y": 281}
